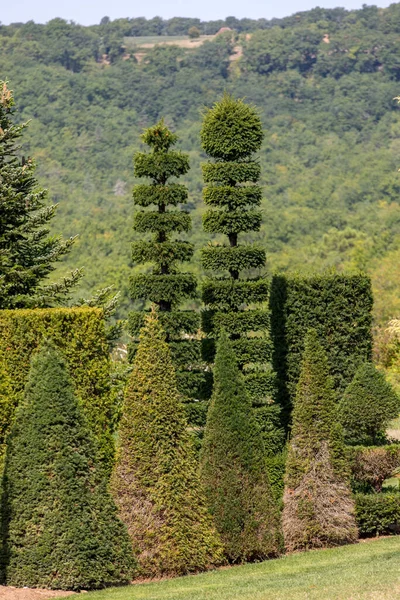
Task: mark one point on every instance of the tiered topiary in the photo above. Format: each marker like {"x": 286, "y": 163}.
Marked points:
{"x": 367, "y": 407}
{"x": 233, "y": 467}
{"x": 318, "y": 507}
{"x": 156, "y": 483}
{"x": 165, "y": 285}
{"x": 231, "y": 134}
{"x": 59, "y": 523}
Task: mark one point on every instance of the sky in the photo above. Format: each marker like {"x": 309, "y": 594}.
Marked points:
{"x": 89, "y": 12}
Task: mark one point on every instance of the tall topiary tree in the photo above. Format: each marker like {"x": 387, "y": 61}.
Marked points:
{"x": 27, "y": 253}
{"x": 59, "y": 523}
{"x": 156, "y": 483}
{"x": 231, "y": 134}
{"x": 318, "y": 507}
{"x": 233, "y": 467}
{"x": 367, "y": 407}
{"x": 165, "y": 285}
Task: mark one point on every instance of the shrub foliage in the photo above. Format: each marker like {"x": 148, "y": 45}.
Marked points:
{"x": 59, "y": 523}
{"x": 231, "y": 134}
{"x": 370, "y": 466}
{"x": 80, "y": 334}
{"x": 378, "y": 514}
{"x": 318, "y": 508}
{"x": 165, "y": 285}
{"x": 368, "y": 405}
{"x": 233, "y": 467}
{"x": 156, "y": 483}
{"x": 338, "y": 307}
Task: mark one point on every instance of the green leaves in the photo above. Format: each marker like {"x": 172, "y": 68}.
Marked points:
{"x": 231, "y": 173}
{"x": 161, "y": 165}
{"x": 234, "y": 258}
{"x": 231, "y": 197}
{"x": 170, "y": 288}
{"x": 162, "y": 222}
{"x": 162, "y": 252}
{"x": 169, "y": 194}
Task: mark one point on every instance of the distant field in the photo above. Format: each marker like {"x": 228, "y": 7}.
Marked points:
{"x": 366, "y": 571}
{"x": 153, "y": 40}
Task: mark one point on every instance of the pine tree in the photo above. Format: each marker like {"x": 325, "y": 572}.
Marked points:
{"x": 367, "y": 407}
{"x": 27, "y": 252}
{"x": 165, "y": 285}
{"x": 318, "y": 508}
{"x": 233, "y": 467}
{"x": 231, "y": 134}
{"x": 59, "y": 523}
{"x": 156, "y": 483}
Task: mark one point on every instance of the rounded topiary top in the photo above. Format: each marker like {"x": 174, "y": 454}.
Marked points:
{"x": 232, "y": 130}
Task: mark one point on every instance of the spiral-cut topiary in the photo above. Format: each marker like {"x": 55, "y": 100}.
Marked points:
{"x": 165, "y": 285}
{"x": 231, "y": 134}
{"x": 233, "y": 467}
{"x": 318, "y": 507}
{"x": 60, "y": 528}
{"x": 156, "y": 483}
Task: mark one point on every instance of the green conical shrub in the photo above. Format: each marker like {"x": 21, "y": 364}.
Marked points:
{"x": 368, "y": 405}
{"x": 233, "y": 466}
{"x": 59, "y": 523}
{"x": 156, "y": 483}
{"x": 318, "y": 507}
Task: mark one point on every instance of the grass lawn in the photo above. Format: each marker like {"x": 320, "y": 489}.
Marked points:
{"x": 369, "y": 570}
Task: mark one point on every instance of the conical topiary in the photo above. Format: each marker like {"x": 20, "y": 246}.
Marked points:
{"x": 156, "y": 483}
{"x": 59, "y": 523}
{"x": 233, "y": 467}
{"x": 318, "y": 508}
{"x": 367, "y": 407}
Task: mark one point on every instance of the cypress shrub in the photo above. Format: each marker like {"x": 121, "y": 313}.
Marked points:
{"x": 156, "y": 483}
{"x": 318, "y": 508}
{"x": 367, "y": 407}
{"x": 165, "y": 285}
{"x": 233, "y": 467}
{"x": 81, "y": 336}
{"x": 339, "y": 308}
{"x": 59, "y": 523}
{"x": 231, "y": 135}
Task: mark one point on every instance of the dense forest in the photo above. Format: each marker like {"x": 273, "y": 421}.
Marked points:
{"x": 325, "y": 82}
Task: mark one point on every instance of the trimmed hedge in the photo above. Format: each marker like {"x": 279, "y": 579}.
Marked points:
{"x": 234, "y": 197}
{"x": 231, "y": 222}
{"x": 80, "y": 334}
{"x": 377, "y": 514}
{"x": 227, "y": 172}
{"x": 232, "y": 257}
{"x": 172, "y": 194}
{"x": 371, "y": 465}
{"x": 339, "y": 307}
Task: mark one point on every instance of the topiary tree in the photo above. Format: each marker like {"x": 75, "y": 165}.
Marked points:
{"x": 27, "y": 252}
{"x": 231, "y": 134}
{"x": 59, "y": 523}
{"x": 368, "y": 405}
{"x": 156, "y": 483}
{"x": 318, "y": 507}
{"x": 165, "y": 285}
{"x": 233, "y": 467}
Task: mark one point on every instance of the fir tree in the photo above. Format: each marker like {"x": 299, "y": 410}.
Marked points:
{"x": 156, "y": 483}
{"x": 231, "y": 134}
{"x": 60, "y": 524}
{"x": 166, "y": 286}
{"x": 233, "y": 467}
{"x": 27, "y": 253}
{"x": 318, "y": 508}
{"x": 367, "y": 407}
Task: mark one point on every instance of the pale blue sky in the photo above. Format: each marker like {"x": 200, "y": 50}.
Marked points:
{"x": 89, "y": 12}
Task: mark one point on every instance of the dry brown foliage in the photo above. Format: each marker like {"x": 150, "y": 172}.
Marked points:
{"x": 374, "y": 464}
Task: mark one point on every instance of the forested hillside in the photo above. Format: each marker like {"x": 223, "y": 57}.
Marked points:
{"x": 324, "y": 81}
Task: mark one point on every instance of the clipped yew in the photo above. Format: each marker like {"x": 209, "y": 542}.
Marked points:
{"x": 233, "y": 467}
{"x": 234, "y": 295}
{"x": 60, "y": 528}
{"x": 318, "y": 507}
{"x": 165, "y": 285}
{"x": 368, "y": 405}
{"x": 156, "y": 483}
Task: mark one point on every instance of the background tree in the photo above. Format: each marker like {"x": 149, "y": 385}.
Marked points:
{"x": 165, "y": 285}
{"x": 156, "y": 483}
{"x": 231, "y": 134}
{"x": 233, "y": 468}
{"x": 367, "y": 407}
{"x": 27, "y": 253}
{"x": 318, "y": 508}
{"x": 194, "y": 32}
{"x": 52, "y": 484}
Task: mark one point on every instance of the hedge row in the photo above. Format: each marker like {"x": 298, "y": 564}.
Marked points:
{"x": 377, "y": 514}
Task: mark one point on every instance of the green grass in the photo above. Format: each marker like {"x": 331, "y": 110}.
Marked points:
{"x": 369, "y": 570}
